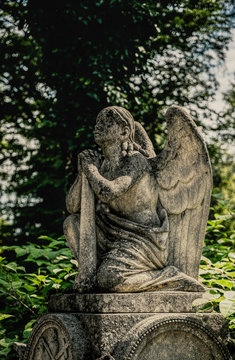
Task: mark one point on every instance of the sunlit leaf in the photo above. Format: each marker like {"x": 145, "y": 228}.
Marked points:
{"x": 5, "y": 316}
{"x": 227, "y": 307}
{"x": 230, "y": 295}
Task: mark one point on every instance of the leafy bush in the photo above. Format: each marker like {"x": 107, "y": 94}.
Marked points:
{"x": 44, "y": 267}
{"x": 48, "y": 266}
{"x": 217, "y": 270}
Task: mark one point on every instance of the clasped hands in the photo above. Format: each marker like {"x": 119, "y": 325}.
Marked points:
{"x": 87, "y": 159}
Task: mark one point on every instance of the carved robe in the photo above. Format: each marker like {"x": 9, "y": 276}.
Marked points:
{"x": 133, "y": 257}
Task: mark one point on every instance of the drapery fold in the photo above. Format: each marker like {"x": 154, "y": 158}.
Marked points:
{"x": 133, "y": 257}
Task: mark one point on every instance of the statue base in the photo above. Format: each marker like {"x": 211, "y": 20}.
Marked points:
{"x": 127, "y": 326}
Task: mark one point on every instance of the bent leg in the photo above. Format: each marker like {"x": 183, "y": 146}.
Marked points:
{"x": 72, "y": 233}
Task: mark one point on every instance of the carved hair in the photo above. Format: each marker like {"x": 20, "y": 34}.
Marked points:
{"x": 125, "y": 118}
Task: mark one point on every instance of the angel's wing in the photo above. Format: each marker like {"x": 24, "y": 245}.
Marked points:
{"x": 184, "y": 178}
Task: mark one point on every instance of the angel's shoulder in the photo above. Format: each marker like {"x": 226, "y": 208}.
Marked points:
{"x": 136, "y": 162}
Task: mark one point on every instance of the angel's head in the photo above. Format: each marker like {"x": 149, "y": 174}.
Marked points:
{"x": 115, "y": 124}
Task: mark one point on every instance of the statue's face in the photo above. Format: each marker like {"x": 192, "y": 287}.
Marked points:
{"x": 107, "y": 130}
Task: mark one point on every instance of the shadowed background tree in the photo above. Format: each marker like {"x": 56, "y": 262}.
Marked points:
{"x": 66, "y": 60}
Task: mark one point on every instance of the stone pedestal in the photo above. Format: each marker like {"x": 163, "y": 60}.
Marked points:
{"x": 143, "y": 326}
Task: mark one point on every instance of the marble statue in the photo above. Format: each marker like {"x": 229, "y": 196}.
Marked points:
{"x": 138, "y": 219}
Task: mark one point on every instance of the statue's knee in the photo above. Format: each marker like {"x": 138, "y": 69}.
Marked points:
{"x": 101, "y": 278}
{"x": 106, "y": 279}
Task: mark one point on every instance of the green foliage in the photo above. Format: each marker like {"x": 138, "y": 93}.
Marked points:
{"x": 217, "y": 270}
{"x": 44, "y": 268}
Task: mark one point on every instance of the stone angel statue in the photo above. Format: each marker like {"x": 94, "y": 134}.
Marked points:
{"x": 138, "y": 219}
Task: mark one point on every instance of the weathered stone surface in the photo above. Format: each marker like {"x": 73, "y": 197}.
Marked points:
{"x": 117, "y": 334}
{"x": 148, "y": 302}
{"x": 87, "y": 257}
{"x": 20, "y": 349}
{"x": 174, "y": 337}
{"x": 57, "y": 336}
{"x": 141, "y": 325}
{"x": 146, "y": 231}
{"x": 126, "y": 336}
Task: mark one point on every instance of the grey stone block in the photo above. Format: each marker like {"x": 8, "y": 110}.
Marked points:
{"x": 128, "y": 336}
{"x": 147, "y": 302}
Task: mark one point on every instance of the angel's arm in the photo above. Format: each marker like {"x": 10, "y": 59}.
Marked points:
{"x": 107, "y": 190}
{"x": 73, "y": 198}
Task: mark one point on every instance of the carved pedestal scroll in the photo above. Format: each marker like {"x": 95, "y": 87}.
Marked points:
{"x": 57, "y": 337}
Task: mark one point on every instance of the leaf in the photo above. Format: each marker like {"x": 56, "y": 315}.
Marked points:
{"x": 223, "y": 217}
{"x": 44, "y": 237}
{"x": 5, "y": 316}
{"x": 232, "y": 255}
{"x": 35, "y": 281}
{"x": 16, "y": 284}
{"x": 35, "y": 253}
{"x": 9, "y": 247}
{"x": 28, "y": 287}
{"x": 5, "y": 351}
{"x": 56, "y": 286}
{"x": 206, "y": 297}
{"x": 21, "y": 251}
{"x": 55, "y": 243}
{"x": 226, "y": 283}
{"x": 29, "y": 324}
{"x": 227, "y": 307}
{"x": 206, "y": 260}
{"x": 4, "y": 283}
{"x": 61, "y": 257}
{"x": 41, "y": 277}
{"x": 230, "y": 295}
{"x": 199, "y": 301}
{"x": 56, "y": 280}
{"x": 37, "y": 297}
{"x": 231, "y": 273}
{"x": 12, "y": 266}
{"x": 55, "y": 271}
{"x": 70, "y": 275}
{"x": 28, "y": 328}
{"x": 73, "y": 261}
{"x": 21, "y": 268}
{"x": 27, "y": 333}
